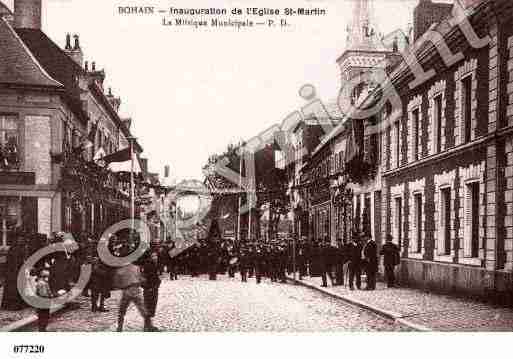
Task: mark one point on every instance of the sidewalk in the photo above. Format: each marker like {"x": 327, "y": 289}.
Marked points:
{"x": 421, "y": 310}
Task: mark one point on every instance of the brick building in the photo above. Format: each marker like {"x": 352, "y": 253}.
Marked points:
{"x": 50, "y": 102}
{"x": 440, "y": 178}
{"x": 446, "y": 163}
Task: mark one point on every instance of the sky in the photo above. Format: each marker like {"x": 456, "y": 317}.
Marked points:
{"x": 192, "y": 92}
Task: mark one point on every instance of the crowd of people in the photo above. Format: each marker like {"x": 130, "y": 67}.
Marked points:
{"x": 344, "y": 265}
{"x": 139, "y": 282}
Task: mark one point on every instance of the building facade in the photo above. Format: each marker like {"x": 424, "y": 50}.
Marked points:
{"x": 51, "y": 103}
{"x": 446, "y": 163}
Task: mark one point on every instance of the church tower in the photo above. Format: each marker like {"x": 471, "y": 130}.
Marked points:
{"x": 365, "y": 51}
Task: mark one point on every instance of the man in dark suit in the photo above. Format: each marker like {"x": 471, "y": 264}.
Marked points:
{"x": 342, "y": 256}
{"x": 391, "y": 257}
{"x": 150, "y": 271}
{"x": 326, "y": 262}
{"x": 370, "y": 252}
{"x": 355, "y": 262}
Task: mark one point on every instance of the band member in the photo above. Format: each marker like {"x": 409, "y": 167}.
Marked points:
{"x": 243, "y": 264}
{"x": 355, "y": 262}
{"x": 151, "y": 285}
{"x": 391, "y": 257}
{"x": 325, "y": 263}
{"x": 370, "y": 253}
{"x": 342, "y": 258}
{"x": 100, "y": 286}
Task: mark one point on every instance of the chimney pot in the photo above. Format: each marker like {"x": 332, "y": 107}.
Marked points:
{"x": 93, "y": 66}
{"x": 87, "y": 66}
{"x": 68, "y": 42}
{"x": 110, "y": 91}
{"x": 77, "y": 42}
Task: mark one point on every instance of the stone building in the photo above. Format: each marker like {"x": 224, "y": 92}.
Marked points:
{"x": 367, "y": 51}
{"x": 51, "y": 101}
{"x": 447, "y": 169}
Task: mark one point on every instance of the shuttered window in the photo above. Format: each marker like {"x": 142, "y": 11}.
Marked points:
{"x": 466, "y": 86}
{"x": 438, "y": 123}
{"x": 398, "y": 213}
{"x": 417, "y": 231}
{"x": 398, "y": 143}
{"x": 471, "y": 222}
{"x": 444, "y": 244}
{"x": 416, "y": 134}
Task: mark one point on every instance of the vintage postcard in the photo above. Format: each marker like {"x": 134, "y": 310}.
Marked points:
{"x": 292, "y": 166}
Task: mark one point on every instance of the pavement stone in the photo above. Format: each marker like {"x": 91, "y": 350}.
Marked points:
{"x": 425, "y": 309}
{"x": 227, "y": 305}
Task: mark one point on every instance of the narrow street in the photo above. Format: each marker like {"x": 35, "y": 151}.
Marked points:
{"x": 200, "y": 305}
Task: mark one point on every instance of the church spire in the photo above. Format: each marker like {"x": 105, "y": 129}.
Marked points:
{"x": 363, "y": 32}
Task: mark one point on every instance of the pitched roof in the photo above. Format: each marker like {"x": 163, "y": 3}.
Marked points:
{"x": 4, "y": 10}
{"x": 52, "y": 58}
{"x": 17, "y": 63}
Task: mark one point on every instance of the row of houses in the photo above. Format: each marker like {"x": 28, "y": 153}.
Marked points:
{"x": 431, "y": 163}
{"x": 52, "y": 102}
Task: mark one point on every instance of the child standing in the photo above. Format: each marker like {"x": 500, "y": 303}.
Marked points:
{"x": 43, "y": 290}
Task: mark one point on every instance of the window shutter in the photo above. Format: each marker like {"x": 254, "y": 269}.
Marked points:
{"x": 467, "y": 233}
{"x": 433, "y": 126}
{"x": 411, "y": 134}
{"x": 440, "y": 229}
{"x": 394, "y": 223}
{"x": 414, "y": 241}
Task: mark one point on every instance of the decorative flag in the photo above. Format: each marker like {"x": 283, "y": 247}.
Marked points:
{"x": 120, "y": 161}
{"x": 355, "y": 141}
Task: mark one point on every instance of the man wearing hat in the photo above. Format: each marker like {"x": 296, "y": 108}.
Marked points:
{"x": 391, "y": 257}
{"x": 370, "y": 252}
{"x": 355, "y": 262}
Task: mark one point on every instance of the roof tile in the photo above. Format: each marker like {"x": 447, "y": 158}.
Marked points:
{"x": 17, "y": 63}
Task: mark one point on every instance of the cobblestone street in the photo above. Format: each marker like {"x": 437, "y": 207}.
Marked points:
{"x": 193, "y": 305}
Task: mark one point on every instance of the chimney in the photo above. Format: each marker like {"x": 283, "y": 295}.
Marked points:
{"x": 74, "y": 52}
{"x": 427, "y": 13}
{"x": 115, "y": 102}
{"x": 68, "y": 42}
{"x": 28, "y": 14}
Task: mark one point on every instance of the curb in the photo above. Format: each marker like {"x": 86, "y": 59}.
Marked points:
{"x": 383, "y": 312}
{"x": 31, "y": 319}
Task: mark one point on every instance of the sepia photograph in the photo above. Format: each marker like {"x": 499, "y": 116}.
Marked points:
{"x": 295, "y": 167}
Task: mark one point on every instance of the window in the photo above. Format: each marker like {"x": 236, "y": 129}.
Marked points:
{"x": 466, "y": 85}
{"x": 471, "y": 229}
{"x": 438, "y": 122}
{"x": 9, "y": 142}
{"x": 399, "y": 220}
{"x": 416, "y": 134}
{"x": 418, "y": 222}
{"x": 68, "y": 219}
{"x": 445, "y": 221}
{"x": 10, "y": 218}
{"x": 398, "y": 143}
